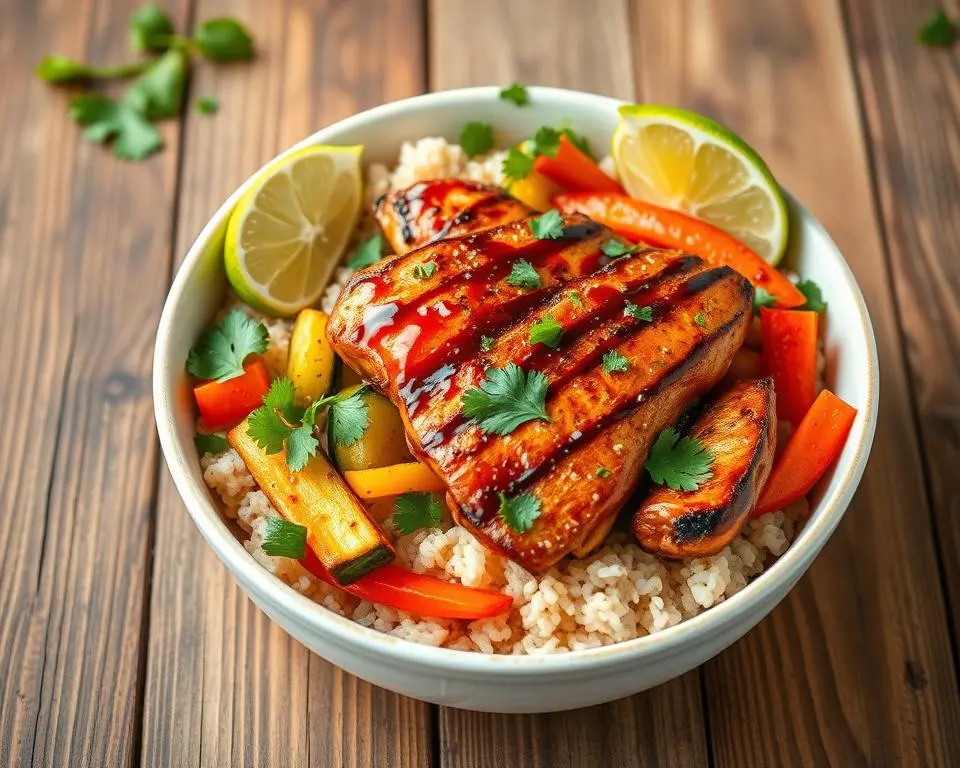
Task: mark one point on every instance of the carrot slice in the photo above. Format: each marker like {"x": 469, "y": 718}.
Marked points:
{"x": 574, "y": 171}
{"x": 644, "y": 222}
{"x": 790, "y": 357}
{"x": 813, "y": 447}
{"x": 393, "y": 480}
{"x": 224, "y": 404}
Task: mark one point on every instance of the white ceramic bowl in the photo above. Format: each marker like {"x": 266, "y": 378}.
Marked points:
{"x": 474, "y": 680}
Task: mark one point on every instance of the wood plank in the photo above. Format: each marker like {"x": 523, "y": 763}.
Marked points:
{"x": 855, "y": 668}
{"x": 224, "y": 685}
{"x": 585, "y": 47}
{"x": 911, "y": 97}
{"x": 84, "y": 247}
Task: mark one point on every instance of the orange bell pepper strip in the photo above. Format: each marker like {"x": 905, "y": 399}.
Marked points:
{"x": 417, "y": 593}
{"x": 789, "y": 349}
{"x": 393, "y": 480}
{"x": 811, "y": 449}
{"x": 224, "y": 404}
{"x": 574, "y": 171}
{"x": 661, "y": 227}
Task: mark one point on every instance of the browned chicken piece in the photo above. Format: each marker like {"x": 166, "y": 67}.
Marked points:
{"x": 431, "y": 210}
{"x": 416, "y": 335}
{"x": 740, "y": 429}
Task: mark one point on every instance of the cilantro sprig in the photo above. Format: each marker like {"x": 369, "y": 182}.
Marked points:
{"x": 548, "y": 226}
{"x": 519, "y": 162}
{"x": 614, "y": 362}
{"x": 367, "y": 253}
{"x": 158, "y": 91}
{"x": 615, "y": 248}
{"x": 507, "y": 398}
{"x": 813, "y": 294}
{"x": 425, "y": 271}
{"x": 519, "y": 512}
{"x": 938, "y": 31}
{"x": 523, "y": 275}
{"x": 209, "y": 443}
{"x": 762, "y": 298}
{"x": 516, "y": 93}
{"x": 476, "y": 138}
{"x": 221, "y": 350}
{"x": 416, "y": 510}
{"x": 283, "y": 538}
{"x": 546, "y": 331}
{"x": 638, "y": 313}
{"x": 680, "y": 463}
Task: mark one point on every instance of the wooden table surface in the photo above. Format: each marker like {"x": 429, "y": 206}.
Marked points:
{"x": 124, "y": 641}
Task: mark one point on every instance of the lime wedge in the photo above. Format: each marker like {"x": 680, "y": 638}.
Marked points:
{"x": 289, "y": 230}
{"x": 688, "y": 162}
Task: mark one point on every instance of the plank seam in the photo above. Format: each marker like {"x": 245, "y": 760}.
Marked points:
{"x": 878, "y": 211}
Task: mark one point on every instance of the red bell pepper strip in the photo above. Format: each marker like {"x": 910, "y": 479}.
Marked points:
{"x": 574, "y": 171}
{"x": 224, "y": 404}
{"x": 661, "y": 227}
{"x": 417, "y": 593}
{"x": 811, "y": 449}
{"x": 789, "y": 344}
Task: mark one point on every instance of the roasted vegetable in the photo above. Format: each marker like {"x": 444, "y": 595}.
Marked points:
{"x": 790, "y": 357}
{"x": 223, "y": 404}
{"x": 393, "y": 480}
{"x": 310, "y": 365}
{"x": 535, "y": 190}
{"x": 812, "y": 448}
{"x": 383, "y": 442}
{"x": 345, "y": 539}
{"x": 574, "y": 171}
{"x": 739, "y": 429}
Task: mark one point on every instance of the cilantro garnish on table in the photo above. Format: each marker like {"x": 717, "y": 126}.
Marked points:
{"x": 367, "y": 253}
{"x": 523, "y": 275}
{"x": 938, "y": 31}
{"x": 616, "y": 248}
{"x": 614, "y": 362}
{"x": 519, "y": 512}
{"x": 281, "y": 424}
{"x": 157, "y": 93}
{"x": 207, "y": 105}
{"x": 813, "y": 294}
{"x": 546, "y": 331}
{"x": 549, "y": 226}
{"x": 283, "y": 538}
{"x": 220, "y": 352}
{"x": 639, "y": 313}
{"x": 416, "y": 510}
{"x": 516, "y": 93}
{"x": 507, "y": 398}
{"x": 476, "y": 138}
{"x": 680, "y": 463}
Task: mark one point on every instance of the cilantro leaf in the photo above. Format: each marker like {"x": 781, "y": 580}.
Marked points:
{"x": 546, "y": 141}
{"x": 938, "y": 31}
{"x": 158, "y": 92}
{"x": 209, "y": 443}
{"x": 283, "y": 538}
{"x": 811, "y": 290}
{"x": 523, "y": 275}
{"x": 425, "y": 271}
{"x": 546, "y": 331}
{"x": 223, "y": 40}
{"x": 549, "y": 226}
{"x": 416, "y": 510}
{"x": 520, "y": 511}
{"x": 762, "y": 298}
{"x": 516, "y": 93}
{"x": 268, "y": 429}
{"x": 616, "y": 248}
{"x": 603, "y": 472}
{"x": 349, "y": 418}
{"x": 476, "y": 138}
{"x": 507, "y": 398}
{"x": 680, "y": 463}
{"x": 150, "y": 29}
{"x": 367, "y": 253}
{"x": 614, "y": 362}
{"x": 639, "y": 313}
{"x": 207, "y": 105}
{"x": 301, "y": 445}
{"x": 280, "y": 397}
{"x": 700, "y": 319}
{"x": 517, "y": 165}
{"x": 575, "y": 299}
{"x": 134, "y": 137}
{"x": 221, "y": 350}
{"x": 486, "y": 343}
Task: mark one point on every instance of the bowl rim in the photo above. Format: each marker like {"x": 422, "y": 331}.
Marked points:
{"x": 265, "y": 588}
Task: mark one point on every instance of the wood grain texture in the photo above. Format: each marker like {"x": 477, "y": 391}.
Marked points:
{"x": 225, "y": 686}
{"x": 911, "y": 101}
{"x": 855, "y": 667}
{"x": 84, "y": 248}
{"x": 586, "y": 46}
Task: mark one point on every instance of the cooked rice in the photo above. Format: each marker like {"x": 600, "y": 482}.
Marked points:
{"x": 618, "y": 593}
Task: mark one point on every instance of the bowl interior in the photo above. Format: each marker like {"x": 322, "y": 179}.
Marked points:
{"x": 198, "y": 292}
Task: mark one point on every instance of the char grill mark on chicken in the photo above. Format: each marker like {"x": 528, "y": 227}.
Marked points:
{"x": 419, "y": 341}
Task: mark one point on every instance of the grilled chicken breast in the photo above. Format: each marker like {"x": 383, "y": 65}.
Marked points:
{"x": 740, "y": 429}
{"x": 418, "y": 339}
{"x": 432, "y": 210}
